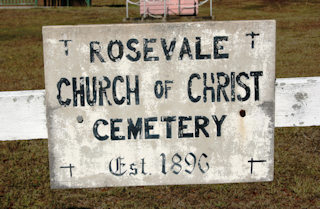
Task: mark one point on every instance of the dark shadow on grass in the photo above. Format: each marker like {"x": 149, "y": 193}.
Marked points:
{"x": 112, "y": 6}
{"x": 116, "y": 5}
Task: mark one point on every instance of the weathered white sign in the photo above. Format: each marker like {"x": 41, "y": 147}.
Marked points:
{"x": 159, "y": 104}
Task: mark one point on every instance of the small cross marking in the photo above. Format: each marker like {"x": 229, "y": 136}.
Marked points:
{"x": 65, "y": 46}
{"x": 252, "y": 34}
{"x": 70, "y": 167}
{"x": 255, "y": 161}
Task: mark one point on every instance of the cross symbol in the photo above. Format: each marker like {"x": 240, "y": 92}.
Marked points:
{"x": 252, "y": 34}
{"x": 70, "y": 167}
{"x": 255, "y": 161}
{"x": 65, "y": 46}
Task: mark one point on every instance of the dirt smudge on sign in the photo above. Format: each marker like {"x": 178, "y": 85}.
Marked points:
{"x": 300, "y": 97}
{"x": 30, "y": 98}
{"x": 296, "y": 106}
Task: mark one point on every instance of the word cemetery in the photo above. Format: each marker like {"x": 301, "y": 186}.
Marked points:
{"x": 160, "y": 104}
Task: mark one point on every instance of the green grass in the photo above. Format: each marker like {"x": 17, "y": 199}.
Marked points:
{"x": 24, "y": 170}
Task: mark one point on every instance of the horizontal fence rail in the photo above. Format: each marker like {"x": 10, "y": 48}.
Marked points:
{"x": 23, "y": 113}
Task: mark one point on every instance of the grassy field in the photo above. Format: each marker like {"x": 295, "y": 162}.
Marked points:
{"x": 24, "y": 170}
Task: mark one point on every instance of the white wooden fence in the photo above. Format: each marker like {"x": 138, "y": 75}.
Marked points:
{"x": 23, "y": 113}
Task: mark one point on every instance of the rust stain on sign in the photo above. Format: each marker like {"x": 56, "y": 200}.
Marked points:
{"x": 158, "y": 104}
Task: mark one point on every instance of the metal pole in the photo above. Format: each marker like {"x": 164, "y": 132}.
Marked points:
{"x": 210, "y": 8}
{"x": 144, "y": 9}
{"x": 165, "y": 8}
{"x": 179, "y": 6}
{"x": 127, "y": 9}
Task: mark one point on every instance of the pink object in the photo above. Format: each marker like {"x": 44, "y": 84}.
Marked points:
{"x": 173, "y": 7}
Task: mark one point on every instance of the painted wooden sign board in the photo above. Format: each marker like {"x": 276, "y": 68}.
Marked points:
{"x": 160, "y": 104}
